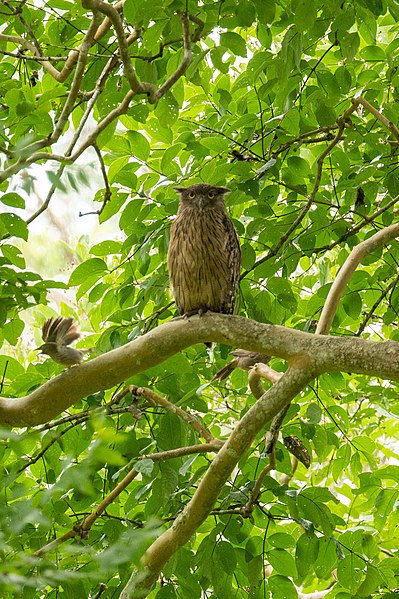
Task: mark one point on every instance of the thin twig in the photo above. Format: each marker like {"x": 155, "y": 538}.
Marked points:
{"x": 356, "y": 228}
{"x": 155, "y": 399}
{"x": 107, "y": 192}
{"x": 370, "y": 313}
{"x": 81, "y": 529}
{"x": 341, "y": 121}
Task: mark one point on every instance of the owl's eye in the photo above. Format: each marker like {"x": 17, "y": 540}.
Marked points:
{"x": 191, "y": 195}
{"x": 211, "y": 195}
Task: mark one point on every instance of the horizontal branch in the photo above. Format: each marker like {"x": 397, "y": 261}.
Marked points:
{"x": 318, "y": 353}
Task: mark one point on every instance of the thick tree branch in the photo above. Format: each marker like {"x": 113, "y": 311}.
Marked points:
{"x": 316, "y": 352}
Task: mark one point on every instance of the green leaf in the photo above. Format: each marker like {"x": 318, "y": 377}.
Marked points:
{"x": 282, "y": 587}
{"x": 314, "y": 413}
{"x": 307, "y": 549}
{"x": 305, "y": 13}
{"x": 169, "y": 164}
{"x": 265, "y": 10}
{"x": 352, "y": 305}
{"x": 227, "y": 557}
{"x": 167, "y": 110}
{"x": 350, "y": 572}
{"x": 10, "y": 368}
{"x": 373, "y": 54}
{"x": 234, "y": 42}
{"x": 116, "y": 166}
{"x": 130, "y": 8}
{"x": 325, "y": 115}
{"x": 217, "y": 144}
{"x": 349, "y": 43}
{"x": 14, "y": 255}
{"x": 282, "y": 562}
{"x": 372, "y": 582}
{"x": 93, "y": 268}
{"x": 375, "y": 6}
{"x": 281, "y": 539}
{"x": 145, "y": 467}
{"x": 248, "y": 256}
{"x": 14, "y": 225}
{"x": 245, "y": 13}
{"x": 139, "y": 145}
{"x": 13, "y": 199}
{"x": 12, "y": 330}
{"x": 298, "y": 166}
{"x": 326, "y": 559}
{"x": 106, "y": 248}
{"x": 384, "y": 506}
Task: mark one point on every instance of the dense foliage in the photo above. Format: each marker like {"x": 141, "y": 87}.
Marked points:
{"x": 294, "y": 106}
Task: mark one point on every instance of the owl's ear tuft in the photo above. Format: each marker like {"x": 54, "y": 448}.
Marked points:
{"x": 223, "y": 189}
{"x": 179, "y": 189}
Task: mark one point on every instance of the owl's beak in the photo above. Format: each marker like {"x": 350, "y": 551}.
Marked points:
{"x": 201, "y": 203}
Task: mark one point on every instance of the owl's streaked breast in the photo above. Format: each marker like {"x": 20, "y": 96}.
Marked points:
{"x": 204, "y": 260}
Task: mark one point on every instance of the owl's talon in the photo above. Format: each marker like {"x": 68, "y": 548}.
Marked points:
{"x": 187, "y": 315}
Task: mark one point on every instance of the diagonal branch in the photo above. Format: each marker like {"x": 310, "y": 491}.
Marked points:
{"x": 370, "y": 313}
{"x": 187, "y": 55}
{"x": 352, "y": 262}
{"x": 156, "y": 400}
{"x": 203, "y": 500}
{"x": 81, "y": 529}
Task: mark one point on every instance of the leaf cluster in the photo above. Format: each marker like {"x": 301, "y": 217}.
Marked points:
{"x": 262, "y": 109}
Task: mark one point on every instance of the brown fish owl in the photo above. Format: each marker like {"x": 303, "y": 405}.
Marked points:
{"x": 204, "y": 256}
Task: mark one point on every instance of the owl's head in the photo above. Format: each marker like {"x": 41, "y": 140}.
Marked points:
{"x": 202, "y": 195}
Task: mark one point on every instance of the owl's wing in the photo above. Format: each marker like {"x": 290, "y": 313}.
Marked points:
{"x": 234, "y": 263}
